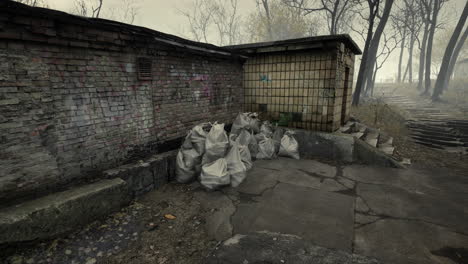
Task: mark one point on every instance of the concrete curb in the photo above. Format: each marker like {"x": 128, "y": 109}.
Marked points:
{"x": 62, "y": 212}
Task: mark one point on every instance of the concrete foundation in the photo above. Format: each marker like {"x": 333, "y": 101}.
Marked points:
{"x": 62, "y": 212}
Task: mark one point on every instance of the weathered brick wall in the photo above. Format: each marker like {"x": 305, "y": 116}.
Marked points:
{"x": 72, "y": 105}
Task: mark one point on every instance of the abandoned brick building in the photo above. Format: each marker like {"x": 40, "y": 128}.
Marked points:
{"x": 82, "y": 95}
{"x": 306, "y": 83}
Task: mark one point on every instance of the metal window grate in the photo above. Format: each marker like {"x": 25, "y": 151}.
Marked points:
{"x": 144, "y": 69}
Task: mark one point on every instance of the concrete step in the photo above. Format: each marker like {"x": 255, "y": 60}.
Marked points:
{"x": 451, "y": 143}
{"x": 372, "y": 138}
{"x": 387, "y": 149}
{"x": 62, "y": 212}
{"x": 359, "y": 135}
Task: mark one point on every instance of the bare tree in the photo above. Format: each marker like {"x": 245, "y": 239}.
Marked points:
{"x": 435, "y": 9}
{"x": 279, "y": 21}
{"x": 227, "y": 22}
{"x": 337, "y": 12}
{"x": 399, "y": 20}
{"x": 215, "y": 20}
{"x": 266, "y": 7}
{"x": 390, "y": 43}
{"x": 123, "y": 10}
{"x": 425, "y": 11}
{"x": 372, "y": 44}
{"x": 129, "y": 11}
{"x": 442, "y": 78}
{"x": 456, "y": 52}
{"x": 35, "y": 3}
{"x": 87, "y": 8}
{"x": 414, "y": 24}
{"x": 199, "y": 16}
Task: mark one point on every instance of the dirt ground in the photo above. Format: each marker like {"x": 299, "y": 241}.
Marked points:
{"x": 162, "y": 226}
{"x": 179, "y": 240}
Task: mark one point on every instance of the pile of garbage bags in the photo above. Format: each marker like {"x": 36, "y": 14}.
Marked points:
{"x": 215, "y": 159}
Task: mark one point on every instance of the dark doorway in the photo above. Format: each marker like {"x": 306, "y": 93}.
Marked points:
{"x": 344, "y": 104}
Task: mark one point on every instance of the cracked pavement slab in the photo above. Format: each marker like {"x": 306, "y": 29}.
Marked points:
{"x": 393, "y": 202}
{"x": 322, "y": 217}
{"x": 269, "y": 247}
{"x": 401, "y": 241}
{"x": 355, "y": 208}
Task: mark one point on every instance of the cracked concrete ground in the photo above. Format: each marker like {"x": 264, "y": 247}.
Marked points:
{"x": 295, "y": 211}
{"x": 394, "y": 215}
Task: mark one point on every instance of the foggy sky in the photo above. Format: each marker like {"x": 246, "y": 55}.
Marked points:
{"x": 162, "y": 15}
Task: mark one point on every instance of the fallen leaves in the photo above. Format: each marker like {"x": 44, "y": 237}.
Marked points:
{"x": 169, "y": 216}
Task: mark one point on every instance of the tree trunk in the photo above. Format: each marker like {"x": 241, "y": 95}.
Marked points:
{"x": 442, "y": 77}
{"x": 422, "y": 56}
{"x": 376, "y": 38}
{"x": 456, "y": 52}
{"x": 373, "y": 81}
{"x": 362, "y": 67}
{"x": 402, "y": 50}
{"x": 406, "y": 72}
{"x": 373, "y": 47}
{"x": 427, "y": 77}
{"x": 410, "y": 59}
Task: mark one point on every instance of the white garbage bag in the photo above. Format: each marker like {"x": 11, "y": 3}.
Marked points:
{"x": 232, "y": 139}
{"x": 248, "y": 121}
{"x": 214, "y": 175}
{"x": 289, "y": 146}
{"x": 277, "y": 136}
{"x": 247, "y": 139}
{"x": 266, "y": 148}
{"x": 187, "y": 165}
{"x": 242, "y": 121}
{"x": 235, "y": 166}
{"x": 198, "y": 137}
{"x": 245, "y": 156}
{"x": 266, "y": 129}
{"x": 216, "y": 144}
{"x": 187, "y": 144}
{"x": 254, "y": 122}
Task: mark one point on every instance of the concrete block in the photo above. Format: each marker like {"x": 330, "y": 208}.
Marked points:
{"x": 61, "y": 212}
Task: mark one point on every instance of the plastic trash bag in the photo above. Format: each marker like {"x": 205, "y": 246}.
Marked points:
{"x": 277, "y": 136}
{"x": 247, "y": 139}
{"x": 187, "y": 165}
{"x": 266, "y": 129}
{"x": 254, "y": 122}
{"x": 242, "y": 121}
{"x": 248, "y": 121}
{"x": 198, "y": 137}
{"x": 235, "y": 166}
{"x": 187, "y": 144}
{"x": 216, "y": 144}
{"x": 214, "y": 175}
{"x": 289, "y": 146}
{"x": 245, "y": 157}
{"x": 266, "y": 148}
{"x": 232, "y": 139}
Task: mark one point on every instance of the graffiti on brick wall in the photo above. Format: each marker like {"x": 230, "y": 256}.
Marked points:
{"x": 264, "y": 78}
